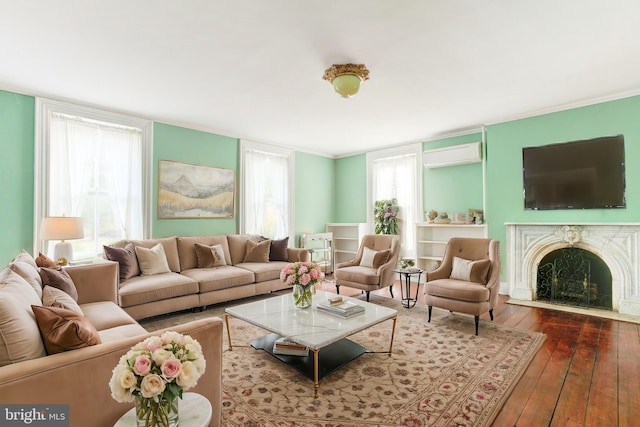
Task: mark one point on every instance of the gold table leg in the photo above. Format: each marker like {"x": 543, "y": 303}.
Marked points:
{"x": 393, "y": 332}
{"x": 316, "y": 383}
{"x": 226, "y": 320}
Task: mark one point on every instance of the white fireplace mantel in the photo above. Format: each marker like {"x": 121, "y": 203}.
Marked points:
{"x": 617, "y": 244}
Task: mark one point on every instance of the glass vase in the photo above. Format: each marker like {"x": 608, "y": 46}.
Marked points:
{"x": 302, "y": 295}
{"x": 163, "y": 413}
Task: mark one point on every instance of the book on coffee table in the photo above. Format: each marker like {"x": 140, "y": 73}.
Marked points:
{"x": 344, "y": 309}
{"x": 290, "y": 348}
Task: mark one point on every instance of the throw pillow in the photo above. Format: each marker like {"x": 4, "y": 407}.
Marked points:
{"x": 44, "y": 261}
{"x": 59, "y": 279}
{"x": 152, "y": 261}
{"x": 54, "y": 297}
{"x": 126, "y": 259}
{"x": 19, "y": 335}
{"x": 24, "y": 256}
{"x": 63, "y": 329}
{"x": 257, "y": 251}
{"x": 470, "y": 271}
{"x": 29, "y": 273}
{"x": 374, "y": 259}
{"x": 210, "y": 256}
{"x": 278, "y": 250}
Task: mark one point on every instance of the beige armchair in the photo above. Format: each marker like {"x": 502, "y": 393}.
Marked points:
{"x": 373, "y": 266}
{"x": 468, "y": 278}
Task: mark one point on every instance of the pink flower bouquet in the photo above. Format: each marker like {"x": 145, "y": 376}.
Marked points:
{"x": 302, "y": 276}
{"x": 155, "y": 372}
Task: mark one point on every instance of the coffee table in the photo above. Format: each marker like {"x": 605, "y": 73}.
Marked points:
{"x": 311, "y": 327}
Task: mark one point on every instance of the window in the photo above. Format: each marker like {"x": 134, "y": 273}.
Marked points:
{"x": 394, "y": 173}
{"x": 267, "y": 188}
{"x": 95, "y": 165}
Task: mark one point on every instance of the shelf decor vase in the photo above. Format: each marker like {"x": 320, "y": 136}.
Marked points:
{"x": 163, "y": 413}
{"x": 302, "y": 295}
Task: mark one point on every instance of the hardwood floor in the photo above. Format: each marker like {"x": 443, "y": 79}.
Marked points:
{"x": 586, "y": 374}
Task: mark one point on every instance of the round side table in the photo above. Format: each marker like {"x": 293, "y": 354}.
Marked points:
{"x": 407, "y": 301}
{"x": 194, "y": 411}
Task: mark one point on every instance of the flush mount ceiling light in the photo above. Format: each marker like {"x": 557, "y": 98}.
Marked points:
{"x": 346, "y": 78}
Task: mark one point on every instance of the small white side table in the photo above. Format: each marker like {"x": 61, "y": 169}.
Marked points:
{"x": 194, "y": 411}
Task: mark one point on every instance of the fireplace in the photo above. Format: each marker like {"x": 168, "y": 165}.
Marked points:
{"x": 610, "y": 247}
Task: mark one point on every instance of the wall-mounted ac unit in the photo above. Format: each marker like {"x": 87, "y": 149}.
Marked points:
{"x": 454, "y": 155}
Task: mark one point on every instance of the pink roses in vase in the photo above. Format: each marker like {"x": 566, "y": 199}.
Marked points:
{"x": 302, "y": 276}
{"x": 154, "y": 373}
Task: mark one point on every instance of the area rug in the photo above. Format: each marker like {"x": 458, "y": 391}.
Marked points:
{"x": 439, "y": 374}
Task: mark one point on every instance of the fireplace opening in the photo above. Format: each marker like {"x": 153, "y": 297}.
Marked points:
{"x": 576, "y": 277}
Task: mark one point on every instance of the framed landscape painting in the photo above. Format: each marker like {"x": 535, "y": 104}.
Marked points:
{"x": 195, "y": 191}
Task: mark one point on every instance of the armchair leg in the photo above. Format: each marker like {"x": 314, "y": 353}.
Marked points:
{"x": 430, "y": 308}
{"x": 338, "y": 289}
{"x": 491, "y": 314}
{"x": 477, "y": 318}
{"x": 367, "y": 296}
{"x": 391, "y": 290}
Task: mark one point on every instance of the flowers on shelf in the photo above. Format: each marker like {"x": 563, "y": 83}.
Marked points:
{"x": 385, "y": 213}
{"x": 154, "y": 373}
{"x": 302, "y": 276}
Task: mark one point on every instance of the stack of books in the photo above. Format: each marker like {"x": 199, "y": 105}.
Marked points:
{"x": 290, "y": 348}
{"x": 340, "y": 308}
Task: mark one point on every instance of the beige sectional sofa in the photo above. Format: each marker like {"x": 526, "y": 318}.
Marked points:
{"x": 188, "y": 286}
{"x": 80, "y": 377}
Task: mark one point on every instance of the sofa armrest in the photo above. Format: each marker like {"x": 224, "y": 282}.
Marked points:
{"x": 80, "y": 378}
{"x": 95, "y": 282}
{"x": 298, "y": 254}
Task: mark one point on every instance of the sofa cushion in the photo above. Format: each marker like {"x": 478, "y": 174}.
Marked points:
{"x": 238, "y": 246}
{"x": 126, "y": 258}
{"x": 145, "y": 289}
{"x": 210, "y": 256}
{"x": 257, "y": 251}
{"x": 106, "y": 315}
{"x": 19, "y": 334}
{"x": 29, "y": 273}
{"x": 59, "y": 279}
{"x": 471, "y": 271}
{"x": 44, "y": 261}
{"x": 187, "y": 252}
{"x": 278, "y": 250}
{"x": 457, "y": 289}
{"x": 54, "y": 297}
{"x": 118, "y": 333}
{"x": 374, "y": 259}
{"x": 264, "y": 271}
{"x": 214, "y": 279}
{"x": 64, "y": 330}
{"x": 170, "y": 246}
{"x": 358, "y": 274}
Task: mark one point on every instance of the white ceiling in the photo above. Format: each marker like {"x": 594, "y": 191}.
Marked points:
{"x": 253, "y": 68}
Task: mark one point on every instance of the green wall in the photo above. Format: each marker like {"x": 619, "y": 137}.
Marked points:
{"x": 202, "y": 148}
{"x": 351, "y": 189}
{"x": 453, "y": 188}
{"x": 17, "y": 115}
{"x": 314, "y": 193}
{"x": 504, "y": 163}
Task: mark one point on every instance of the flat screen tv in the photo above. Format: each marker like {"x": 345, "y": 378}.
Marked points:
{"x": 586, "y": 174}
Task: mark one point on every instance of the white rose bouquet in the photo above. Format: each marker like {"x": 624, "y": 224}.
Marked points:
{"x": 155, "y": 372}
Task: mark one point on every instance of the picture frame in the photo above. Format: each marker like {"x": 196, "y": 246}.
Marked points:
{"x": 187, "y": 190}
{"x": 476, "y": 216}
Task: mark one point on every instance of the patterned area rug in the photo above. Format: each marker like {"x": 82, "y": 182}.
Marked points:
{"x": 440, "y": 374}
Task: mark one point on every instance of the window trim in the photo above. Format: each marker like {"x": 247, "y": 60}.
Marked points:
{"x": 251, "y": 145}
{"x": 44, "y": 108}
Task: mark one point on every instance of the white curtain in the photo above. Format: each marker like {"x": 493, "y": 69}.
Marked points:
{"x": 266, "y": 193}
{"x": 95, "y": 172}
{"x": 395, "y": 177}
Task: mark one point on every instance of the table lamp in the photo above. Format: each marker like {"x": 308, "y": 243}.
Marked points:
{"x": 62, "y": 228}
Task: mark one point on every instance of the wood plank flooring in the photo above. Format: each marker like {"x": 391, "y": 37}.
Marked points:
{"x": 586, "y": 374}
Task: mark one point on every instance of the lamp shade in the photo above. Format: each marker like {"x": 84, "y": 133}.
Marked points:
{"x": 346, "y": 85}
{"x": 61, "y": 228}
